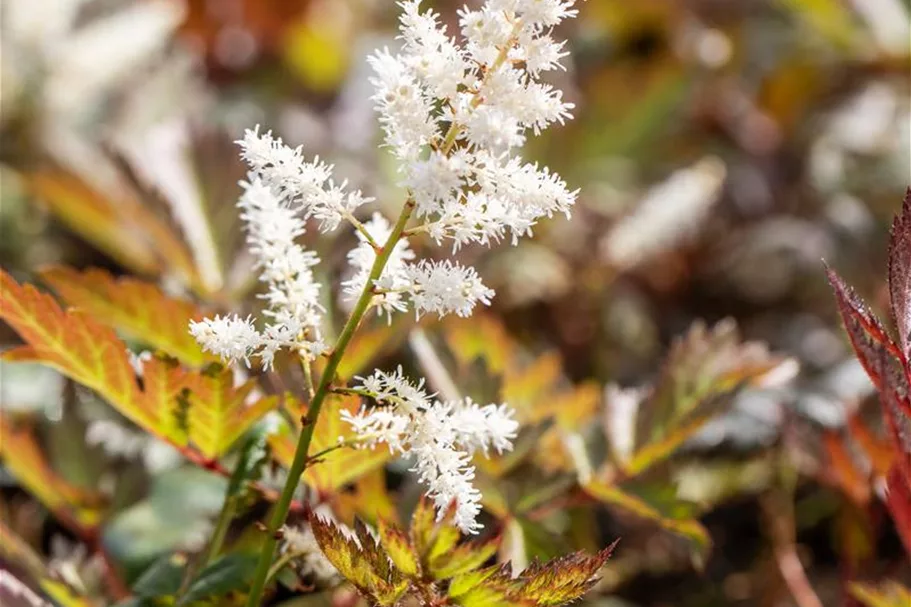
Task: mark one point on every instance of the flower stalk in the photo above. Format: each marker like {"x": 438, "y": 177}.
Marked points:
{"x": 299, "y": 463}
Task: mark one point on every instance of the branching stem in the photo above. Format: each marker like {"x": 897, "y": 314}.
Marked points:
{"x": 280, "y": 513}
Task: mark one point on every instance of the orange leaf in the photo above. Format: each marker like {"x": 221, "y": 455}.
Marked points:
{"x": 121, "y": 227}
{"x": 842, "y": 467}
{"x": 670, "y": 514}
{"x": 878, "y": 450}
{"x": 24, "y": 457}
{"x": 93, "y": 217}
{"x": 137, "y": 308}
{"x": 177, "y": 405}
{"x": 367, "y": 345}
{"x": 75, "y": 344}
{"x": 703, "y": 370}
{"x": 528, "y": 389}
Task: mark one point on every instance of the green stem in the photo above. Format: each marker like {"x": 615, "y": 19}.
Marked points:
{"x": 280, "y": 513}
{"x": 279, "y": 563}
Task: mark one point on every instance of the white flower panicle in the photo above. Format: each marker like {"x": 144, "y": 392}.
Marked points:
{"x": 455, "y": 110}
{"x": 285, "y": 268}
{"x": 490, "y": 95}
{"x": 442, "y": 437}
{"x": 307, "y": 187}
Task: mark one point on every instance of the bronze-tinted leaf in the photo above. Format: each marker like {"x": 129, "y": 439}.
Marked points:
{"x": 900, "y": 273}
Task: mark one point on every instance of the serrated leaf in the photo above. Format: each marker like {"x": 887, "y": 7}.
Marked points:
{"x": 137, "y": 308}
{"x": 75, "y": 344}
{"x": 668, "y": 513}
{"x": 900, "y": 274}
{"x": 24, "y": 457}
{"x": 339, "y": 467}
{"x": 398, "y": 547}
{"x": 703, "y": 370}
{"x": 556, "y": 582}
{"x": 562, "y": 580}
{"x": 874, "y": 348}
{"x": 123, "y": 228}
{"x": 230, "y": 573}
{"x": 464, "y": 558}
{"x": 889, "y": 594}
{"x": 218, "y": 411}
{"x": 360, "y": 561}
{"x": 896, "y": 407}
{"x": 464, "y": 582}
{"x": 429, "y": 536}
{"x": 177, "y": 405}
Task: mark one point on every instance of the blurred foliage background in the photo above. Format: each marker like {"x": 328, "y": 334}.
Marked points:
{"x": 722, "y": 149}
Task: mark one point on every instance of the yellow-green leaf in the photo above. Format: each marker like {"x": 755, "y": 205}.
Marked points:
{"x": 360, "y": 561}
{"x": 398, "y": 547}
{"x": 137, "y": 308}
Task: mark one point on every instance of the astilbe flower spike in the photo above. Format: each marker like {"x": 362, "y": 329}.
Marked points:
{"x": 455, "y": 112}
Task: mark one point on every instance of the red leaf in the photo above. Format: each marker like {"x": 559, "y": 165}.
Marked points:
{"x": 898, "y": 499}
{"x": 900, "y": 273}
{"x": 873, "y": 346}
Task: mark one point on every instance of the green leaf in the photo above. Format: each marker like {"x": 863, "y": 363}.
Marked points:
{"x": 230, "y": 573}
{"x": 398, "y": 547}
{"x": 162, "y": 578}
{"x": 488, "y": 587}
{"x": 432, "y": 538}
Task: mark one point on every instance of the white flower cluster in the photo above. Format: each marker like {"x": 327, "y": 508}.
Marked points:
{"x": 270, "y": 210}
{"x": 456, "y": 115}
{"x": 442, "y": 437}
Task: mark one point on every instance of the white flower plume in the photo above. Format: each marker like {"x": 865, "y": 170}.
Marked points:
{"x": 487, "y": 86}
{"x": 441, "y": 436}
{"x": 306, "y": 186}
{"x": 286, "y": 268}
